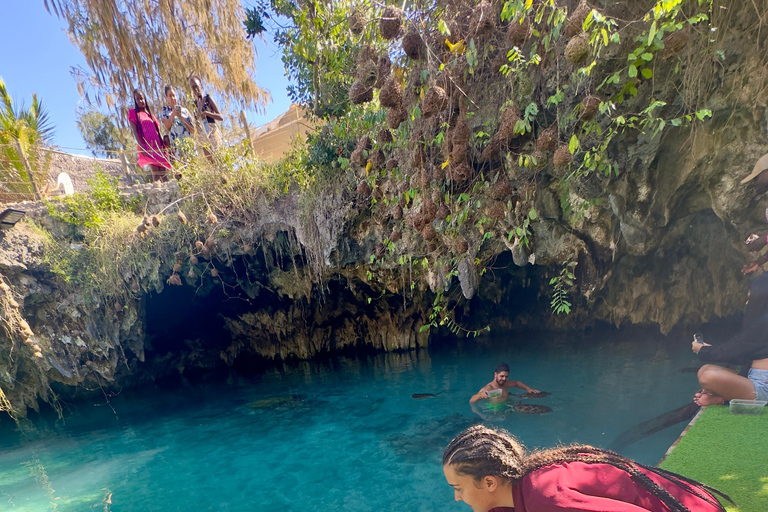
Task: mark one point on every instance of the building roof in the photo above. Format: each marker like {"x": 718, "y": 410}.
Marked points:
{"x": 272, "y": 140}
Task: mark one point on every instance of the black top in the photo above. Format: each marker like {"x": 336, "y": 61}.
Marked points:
{"x": 206, "y": 108}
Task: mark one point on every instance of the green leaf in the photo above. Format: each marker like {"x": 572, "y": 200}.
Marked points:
{"x": 632, "y": 71}
{"x": 647, "y": 73}
{"x": 676, "y": 122}
{"x": 605, "y": 36}
{"x": 573, "y": 144}
{"x": 652, "y": 33}
{"x": 532, "y": 214}
{"x": 443, "y": 28}
{"x": 647, "y": 56}
{"x": 703, "y": 113}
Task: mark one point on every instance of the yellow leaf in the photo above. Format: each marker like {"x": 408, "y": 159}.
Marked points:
{"x": 421, "y": 93}
{"x": 445, "y": 164}
{"x": 368, "y": 167}
{"x": 528, "y": 4}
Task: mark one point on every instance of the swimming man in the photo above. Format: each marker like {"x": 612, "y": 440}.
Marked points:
{"x": 500, "y": 382}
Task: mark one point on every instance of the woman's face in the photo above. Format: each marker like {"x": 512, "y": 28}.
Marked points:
{"x": 196, "y": 87}
{"x": 465, "y": 488}
{"x": 170, "y": 97}
{"x": 138, "y": 97}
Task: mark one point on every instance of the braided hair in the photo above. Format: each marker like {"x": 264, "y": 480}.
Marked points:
{"x": 479, "y": 451}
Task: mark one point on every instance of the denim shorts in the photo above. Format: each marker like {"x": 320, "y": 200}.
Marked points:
{"x": 760, "y": 380}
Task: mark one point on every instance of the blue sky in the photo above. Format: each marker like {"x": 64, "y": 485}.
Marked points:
{"x": 36, "y": 56}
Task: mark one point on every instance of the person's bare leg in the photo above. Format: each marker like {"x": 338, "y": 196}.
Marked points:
{"x": 720, "y": 384}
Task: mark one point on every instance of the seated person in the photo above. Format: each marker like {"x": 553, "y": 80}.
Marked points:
{"x": 749, "y": 349}
{"x": 499, "y": 382}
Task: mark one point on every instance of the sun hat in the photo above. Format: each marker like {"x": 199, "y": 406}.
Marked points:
{"x": 760, "y": 166}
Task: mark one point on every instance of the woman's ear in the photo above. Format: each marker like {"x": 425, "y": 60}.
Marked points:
{"x": 491, "y": 483}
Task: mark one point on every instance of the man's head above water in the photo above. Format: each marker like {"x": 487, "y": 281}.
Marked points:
{"x": 501, "y": 373}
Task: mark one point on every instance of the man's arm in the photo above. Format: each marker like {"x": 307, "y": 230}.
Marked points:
{"x": 480, "y": 395}
{"x": 521, "y": 385}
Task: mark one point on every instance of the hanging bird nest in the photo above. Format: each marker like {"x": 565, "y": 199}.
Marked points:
{"x": 563, "y": 157}
{"x": 175, "y": 280}
{"x": 417, "y": 157}
{"x": 395, "y": 236}
{"x": 519, "y": 31}
{"x": 397, "y": 212}
{"x": 429, "y": 209}
{"x": 497, "y": 211}
{"x": 442, "y": 212}
{"x": 428, "y": 232}
{"x": 384, "y": 136}
{"x": 363, "y": 189}
{"x": 674, "y": 43}
{"x": 460, "y": 133}
{"x": 589, "y": 107}
{"x": 434, "y": 101}
{"x": 502, "y": 189}
{"x": 413, "y": 45}
{"x": 547, "y": 140}
{"x": 574, "y": 25}
{"x": 483, "y": 19}
{"x": 359, "y": 93}
{"x": 438, "y": 172}
{"x": 383, "y": 69}
{"x": 462, "y": 247}
{"x": 577, "y": 49}
{"x": 391, "y": 22}
{"x": 392, "y": 163}
{"x": 425, "y": 177}
{"x": 357, "y": 23}
{"x": 459, "y": 173}
{"x": 377, "y": 159}
{"x": 390, "y": 95}
{"x": 509, "y": 118}
{"x": 193, "y": 260}
{"x": 395, "y": 116}
{"x": 357, "y": 157}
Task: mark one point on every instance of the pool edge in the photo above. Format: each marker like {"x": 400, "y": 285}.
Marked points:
{"x": 682, "y": 434}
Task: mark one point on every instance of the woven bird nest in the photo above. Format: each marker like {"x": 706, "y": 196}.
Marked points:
{"x": 434, "y": 102}
{"x": 519, "y": 31}
{"x": 390, "y": 95}
{"x": 547, "y": 140}
{"x": 573, "y": 26}
{"x": 359, "y": 93}
{"x": 391, "y": 22}
{"x": 577, "y": 49}
{"x": 413, "y": 45}
{"x": 589, "y": 108}
{"x": 395, "y": 116}
{"x": 563, "y": 157}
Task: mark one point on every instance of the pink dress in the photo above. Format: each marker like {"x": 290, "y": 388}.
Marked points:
{"x": 151, "y": 150}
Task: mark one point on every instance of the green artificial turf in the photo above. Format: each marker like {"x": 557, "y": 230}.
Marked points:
{"x": 728, "y": 452}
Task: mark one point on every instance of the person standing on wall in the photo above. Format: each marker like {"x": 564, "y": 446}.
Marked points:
{"x": 208, "y": 114}
{"x": 146, "y": 129}
{"x": 177, "y": 120}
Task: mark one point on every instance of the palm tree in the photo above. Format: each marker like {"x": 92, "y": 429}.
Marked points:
{"x": 23, "y": 132}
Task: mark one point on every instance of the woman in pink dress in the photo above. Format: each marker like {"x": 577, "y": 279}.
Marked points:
{"x": 146, "y": 129}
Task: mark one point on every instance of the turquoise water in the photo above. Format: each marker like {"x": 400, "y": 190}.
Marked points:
{"x": 338, "y": 435}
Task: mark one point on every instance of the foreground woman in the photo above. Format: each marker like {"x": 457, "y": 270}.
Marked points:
{"x": 146, "y": 129}
{"x": 491, "y": 471}
{"x": 749, "y": 348}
